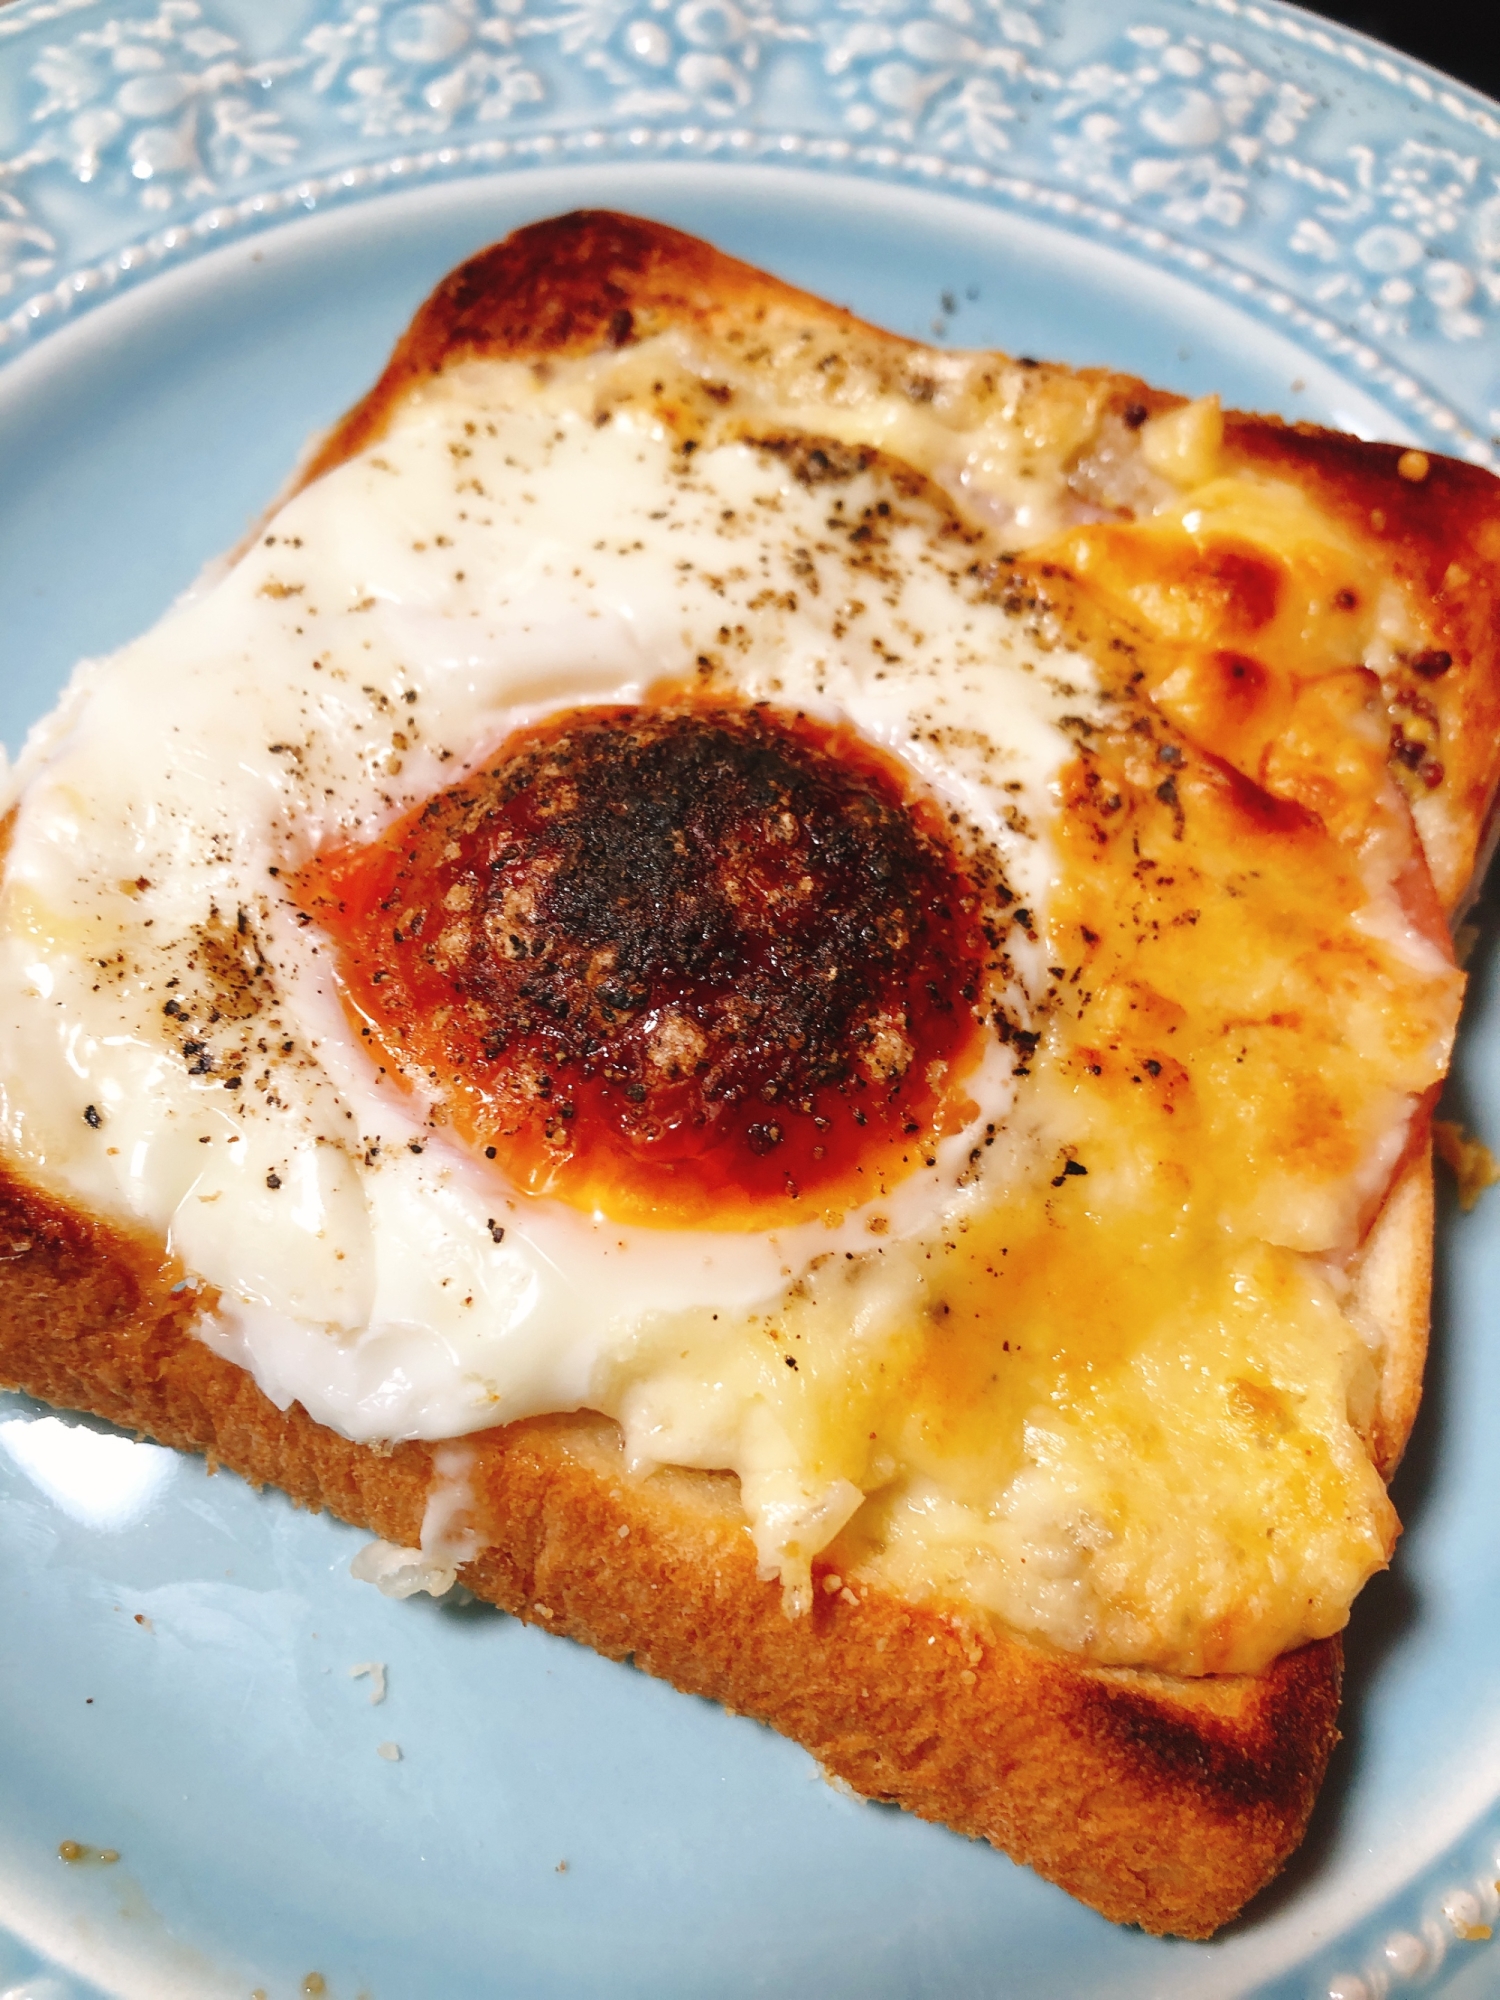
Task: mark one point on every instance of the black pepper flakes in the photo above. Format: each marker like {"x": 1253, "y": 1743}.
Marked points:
{"x": 1431, "y": 664}
{"x": 91, "y": 1116}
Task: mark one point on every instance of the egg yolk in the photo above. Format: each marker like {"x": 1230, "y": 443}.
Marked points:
{"x": 676, "y": 964}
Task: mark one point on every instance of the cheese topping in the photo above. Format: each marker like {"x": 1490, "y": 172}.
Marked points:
{"x": 1079, "y": 1356}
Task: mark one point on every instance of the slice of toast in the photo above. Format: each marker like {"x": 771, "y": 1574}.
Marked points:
{"x": 1162, "y": 1800}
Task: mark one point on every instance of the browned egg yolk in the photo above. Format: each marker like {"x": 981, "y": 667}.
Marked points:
{"x": 677, "y": 964}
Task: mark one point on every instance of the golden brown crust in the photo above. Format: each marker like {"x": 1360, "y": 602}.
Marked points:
{"x": 1160, "y": 1801}
{"x": 572, "y": 286}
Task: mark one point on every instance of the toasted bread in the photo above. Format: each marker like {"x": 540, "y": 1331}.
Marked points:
{"x": 1162, "y": 1800}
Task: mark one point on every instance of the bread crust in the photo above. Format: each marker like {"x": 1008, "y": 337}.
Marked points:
{"x": 1160, "y": 1800}
{"x": 1390, "y": 1294}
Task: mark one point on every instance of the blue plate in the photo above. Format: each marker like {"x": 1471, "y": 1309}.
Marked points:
{"x": 213, "y": 221}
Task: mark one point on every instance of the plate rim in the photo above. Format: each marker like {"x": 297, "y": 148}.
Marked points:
{"x": 154, "y": 253}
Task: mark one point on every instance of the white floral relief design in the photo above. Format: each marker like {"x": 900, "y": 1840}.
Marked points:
{"x": 1411, "y": 238}
{"x": 662, "y": 59}
{"x": 406, "y": 69}
{"x": 948, "y": 71}
{"x": 26, "y": 250}
{"x": 1177, "y": 122}
{"x": 163, "y": 100}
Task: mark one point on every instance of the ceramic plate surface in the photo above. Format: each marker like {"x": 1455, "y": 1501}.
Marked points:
{"x": 215, "y": 216}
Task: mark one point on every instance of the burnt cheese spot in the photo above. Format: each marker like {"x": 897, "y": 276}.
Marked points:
{"x": 707, "y": 963}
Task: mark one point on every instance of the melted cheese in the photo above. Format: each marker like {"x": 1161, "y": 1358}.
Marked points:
{"x": 1085, "y": 1366}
